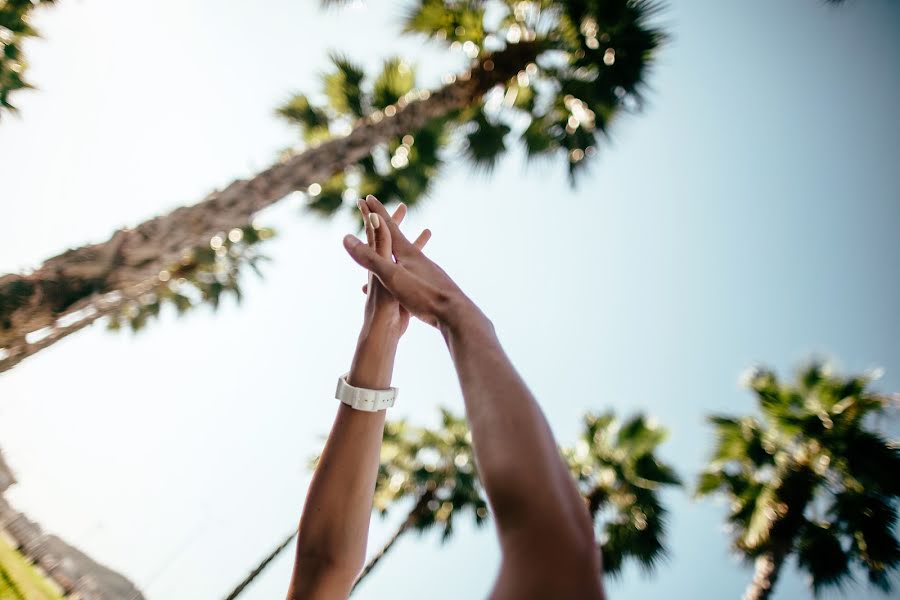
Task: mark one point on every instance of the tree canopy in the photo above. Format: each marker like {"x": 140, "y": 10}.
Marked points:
{"x": 810, "y": 476}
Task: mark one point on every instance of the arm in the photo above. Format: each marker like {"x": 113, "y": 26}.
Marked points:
{"x": 334, "y": 526}
{"x": 546, "y": 535}
{"x": 545, "y": 532}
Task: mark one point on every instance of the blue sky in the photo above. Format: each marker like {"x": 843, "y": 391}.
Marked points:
{"x": 750, "y": 214}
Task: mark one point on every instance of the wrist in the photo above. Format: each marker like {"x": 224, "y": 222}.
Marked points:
{"x": 373, "y": 361}
{"x": 462, "y": 316}
{"x": 382, "y": 325}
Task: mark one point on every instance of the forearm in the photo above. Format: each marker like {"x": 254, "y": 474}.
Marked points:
{"x": 527, "y": 482}
{"x": 335, "y": 521}
{"x": 545, "y": 531}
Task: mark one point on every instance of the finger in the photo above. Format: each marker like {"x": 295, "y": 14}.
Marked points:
{"x": 365, "y": 288}
{"x": 399, "y": 241}
{"x": 399, "y": 214}
{"x": 382, "y": 235}
{"x": 403, "y": 285}
{"x": 422, "y": 239}
{"x": 366, "y": 257}
{"x": 364, "y": 211}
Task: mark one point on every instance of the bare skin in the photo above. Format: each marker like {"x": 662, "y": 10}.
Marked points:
{"x": 334, "y": 526}
{"x": 546, "y": 536}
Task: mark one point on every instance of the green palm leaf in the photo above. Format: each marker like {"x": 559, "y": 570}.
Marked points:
{"x": 397, "y": 78}
{"x": 597, "y": 56}
{"x": 343, "y": 87}
{"x": 813, "y": 447}
{"x": 620, "y": 476}
{"x": 820, "y": 553}
{"x": 485, "y": 141}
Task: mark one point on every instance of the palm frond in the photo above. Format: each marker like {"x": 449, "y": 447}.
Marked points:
{"x": 15, "y": 30}
{"x": 343, "y": 87}
{"x": 813, "y": 447}
{"x": 619, "y": 474}
{"x": 867, "y": 457}
{"x": 396, "y": 79}
{"x": 650, "y": 470}
{"x": 820, "y": 553}
{"x": 870, "y": 522}
{"x": 485, "y": 142}
{"x": 538, "y": 139}
{"x": 450, "y": 21}
{"x": 740, "y": 440}
{"x": 312, "y": 121}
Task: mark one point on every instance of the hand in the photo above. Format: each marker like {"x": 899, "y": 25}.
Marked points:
{"x": 420, "y": 286}
{"x": 382, "y": 309}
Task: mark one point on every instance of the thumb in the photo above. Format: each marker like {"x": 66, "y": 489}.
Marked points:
{"x": 365, "y": 256}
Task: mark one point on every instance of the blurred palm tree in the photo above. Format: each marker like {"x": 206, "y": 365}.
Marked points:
{"x": 15, "y": 28}
{"x": 14, "y": 16}
{"x": 554, "y": 74}
{"x": 435, "y": 470}
{"x": 614, "y": 463}
{"x": 432, "y": 468}
{"x": 620, "y": 477}
{"x": 810, "y": 477}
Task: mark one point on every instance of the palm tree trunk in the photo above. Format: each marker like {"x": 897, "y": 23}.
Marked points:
{"x": 406, "y": 526}
{"x": 414, "y": 515}
{"x": 261, "y": 567}
{"x": 795, "y": 494}
{"x": 417, "y": 512}
{"x": 130, "y": 262}
{"x": 767, "y": 567}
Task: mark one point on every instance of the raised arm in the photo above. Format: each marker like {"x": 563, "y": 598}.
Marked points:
{"x": 545, "y": 532}
{"x": 334, "y": 526}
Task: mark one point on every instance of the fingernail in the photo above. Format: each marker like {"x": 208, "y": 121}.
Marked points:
{"x": 360, "y": 204}
{"x": 351, "y": 241}
{"x": 373, "y": 219}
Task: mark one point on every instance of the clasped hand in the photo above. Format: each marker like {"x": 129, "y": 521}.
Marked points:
{"x": 403, "y": 280}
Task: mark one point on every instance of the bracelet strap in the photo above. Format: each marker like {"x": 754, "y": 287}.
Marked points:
{"x": 364, "y": 399}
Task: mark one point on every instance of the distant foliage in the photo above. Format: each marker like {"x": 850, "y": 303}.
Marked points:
{"x": 620, "y": 476}
{"x": 591, "y": 62}
{"x": 402, "y": 169}
{"x": 614, "y": 464}
{"x": 435, "y": 468}
{"x": 548, "y": 73}
{"x": 15, "y": 28}
{"x": 203, "y": 276}
{"x": 811, "y": 476}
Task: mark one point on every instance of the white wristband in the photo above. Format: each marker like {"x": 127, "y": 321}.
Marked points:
{"x": 362, "y": 398}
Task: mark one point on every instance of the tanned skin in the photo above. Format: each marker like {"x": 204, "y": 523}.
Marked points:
{"x": 546, "y": 536}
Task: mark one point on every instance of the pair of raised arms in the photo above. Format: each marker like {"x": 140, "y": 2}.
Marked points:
{"x": 546, "y": 536}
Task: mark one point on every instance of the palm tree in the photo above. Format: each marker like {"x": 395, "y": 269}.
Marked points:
{"x": 620, "y": 477}
{"x": 565, "y": 69}
{"x": 614, "y": 464}
{"x": 810, "y": 477}
{"x": 435, "y": 469}
{"x": 256, "y": 572}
